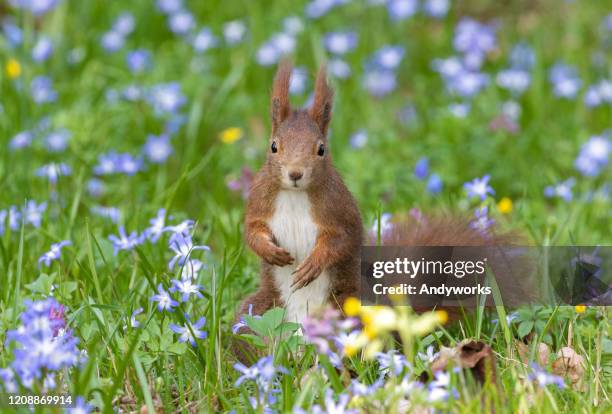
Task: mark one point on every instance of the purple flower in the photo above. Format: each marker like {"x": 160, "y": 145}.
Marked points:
{"x": 514, "y": 80}
{"x": 467, "y": 84}
{"x": 429, "y": 356}
{"x": 113, "y": 162}
{"x": 340, "y": 43}
{"x": 338, "y": 68}
{"x": 80, "y": 407}
{"x": 474, "y": 40}
{"x": 565, "y": 80}
{"x": 133, "y": 321}
{"x": 181, "y": 22}
{"x": 421, "y": 169}
{"x": 562, "y": 190}
{"x": 13, "y": 33}
{"x": 434, "y": 184}
{"x": 204, "y": 40}
{"x": 388, "y": 57}
{"x": 53, "y": 171}
{"x": 54, "y": 253}
{"x": 42, "y": 49}
{"x": 157, "y": 148}
{"x": 297, "y": 84}
{"x": 234, "y": 32}
{"x": 341, "y": 407}
{"x": 436, "y": 8}
{"x": 36, "y": 7}
{"x": 57, "y": 141}
{"x": 242, "y": 322}
{"x": 267, "y": 54}
{"x": 124, "y": 24}
{"x": 593, "y": 156}
{"x": 169, "y": 6}
{"x": 481, "y": 221}
{"x": 318, "y": 8}
{"x": 95, "y": 187}
{"x": 155, "y": 230}
{"x": 379, "y": 82}
{"x": 479, "y": 187}
{"x": 360, "y": 389}
{"x": 402, "y": 9}
{"x": 522, "y": 56}
{"x": 189, "y": 332}
{"x": 359, "y": 139}
{"x": 284, "y": 43}
{"x": 42, "y": 90}
{"x": 166, "y": 98}
{"x": 182, "y": 245}
{"x": 32, "y": 213}
{"x": 183, "y": 227}
{"x": 392, "y": 362}
{"x": 138, "y": 60}
{"x": 186, "y": 288}
{"x": 112, "y": 213}
{"x": 21, "y": 140}
{"x": 164, "y": 300}
{"x": 459, "y": 110}
{"x": 598, "y": 94}
{"x": 124, "y": 241}
{"x": 543, "y": 378}
{"x": 112, "y": 41}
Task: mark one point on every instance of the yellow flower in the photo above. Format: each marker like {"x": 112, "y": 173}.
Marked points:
{"x": 350, "y": 350}
{"x": 442, "y": 316}
{"x": 580, "y": 308}
{"x": 13, "y": 68}
{"x": 352, "y": 306}
{"x": 505, "y": 205}
{"x": 230, "y": 135}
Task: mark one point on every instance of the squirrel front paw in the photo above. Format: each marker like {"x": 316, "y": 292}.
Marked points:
{"x": 276, "y": 255}
{"x": 308, "y": 271}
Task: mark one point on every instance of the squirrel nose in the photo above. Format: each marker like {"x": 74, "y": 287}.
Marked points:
{"x": 295, "y": 175}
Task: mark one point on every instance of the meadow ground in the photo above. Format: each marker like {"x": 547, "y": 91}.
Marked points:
{"x": 129, "y": 134}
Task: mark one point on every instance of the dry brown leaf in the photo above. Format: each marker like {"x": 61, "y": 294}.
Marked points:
{"x": 475, "y": 356}
{"x": 542, "y": 353}
{"x": 571, "y": 366}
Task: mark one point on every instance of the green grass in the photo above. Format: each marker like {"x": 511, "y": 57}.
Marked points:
{"x": 225, "y": 87}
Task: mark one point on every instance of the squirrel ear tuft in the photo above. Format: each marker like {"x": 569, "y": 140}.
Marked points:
{"x": 320, "y": 111}
{"x": 280, "y": 107}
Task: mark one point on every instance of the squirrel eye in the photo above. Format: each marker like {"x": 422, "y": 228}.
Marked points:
{"x": 321, "y": 150}
{"x": 273, "y": 148}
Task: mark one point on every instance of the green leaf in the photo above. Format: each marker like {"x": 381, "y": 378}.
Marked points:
{"x": 524, "y": 328}
{"x": 254, "y": 340}
{"x": 42, "y": 285}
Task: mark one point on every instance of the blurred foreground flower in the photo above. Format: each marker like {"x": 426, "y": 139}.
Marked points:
{"x": 230, "y": 135}
{"x": 593, "y": 157}
{"x": 505, "y": 205}
{"x": 13, "y": 68}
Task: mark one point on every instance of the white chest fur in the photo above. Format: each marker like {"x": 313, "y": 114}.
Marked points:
{"x": 296, "y": 232}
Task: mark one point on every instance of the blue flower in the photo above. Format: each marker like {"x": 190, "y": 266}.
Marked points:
{"x": 155, "y": 230}
{"x": 459, "y": 110}
{"x": 42, "y": 90}
{"x": 479, "y": 187}
{"x": 32, "y": 213}
{"x": 467, "y": 84}
{"x": 481, "y": 222}
{"x": 166, "y": 98}
{"x": 297, "y": 84}
{"x": 434, "y": 184}
{"x": 157, "y": 148}
{"x": 181, "y": 22}
{"x": 125, "y": 241}
{"x": 543, "y": 378}
{"x": 80, "y": 407}
{"x": 169, "y": 6}
{"x": 340, "y": 43}
{"x": 359, "y": 139}
{"x": 112, "y": 41}
{"x": 562, "y": 190}
{"x": 191, "y": 268}
{"x": 360, "y": 389}
{"x": 112, "y": 213}
{"x": 338, "y": 68}
{"x": 522, "y": 56}
{"x": 21, "y": 140}
{"x": 429, "y": 356}
{"x": 113, "y": 162}
{"x": 36, "y": 7}
{"x": 189, "y": 332}
{"x": 234, "y": 32}
{"x": 421, "y": 169}
{"x": 204, "y": 40}
{"x": 124, "y": 24}
{"x": 138, "y": 60}
{"x": 183, "y": 227}
{"x": 95, "y": 187}
{"x": 565, "y": 80}
{"x": 393, "y": 363}
{"x": 164, "y": 300}
{"x": 182, "y": 245}
{"x": 133, "y": 321}
{"x": 186, "y": 288}
{"x": 242, "y": 322}
{"x": 57, "y": 141}
{"x": 436, "y": 8}
{"x": 379, "y": 82}
{"x": 593, "y": 156}
{"x": 332, "y": 407}
{"x": 42, "y": 50}
{"x": 515, "y": 80}
{"x": 293, "y": 25}
{"x": 53, "y": 171}
{"x": 474, "y": 40}
{"x": 388, "y": 57}
{"x": 598, "y": 94}
{"x": 402, "y": 9}
{"x": 54, "y": 253}
{"x": 318, "y": 8}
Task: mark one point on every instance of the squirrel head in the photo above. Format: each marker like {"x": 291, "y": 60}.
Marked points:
{"x": 298, "y": 154}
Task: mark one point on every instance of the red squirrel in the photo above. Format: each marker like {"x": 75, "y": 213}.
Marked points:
{"x": 303, "y": 222}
